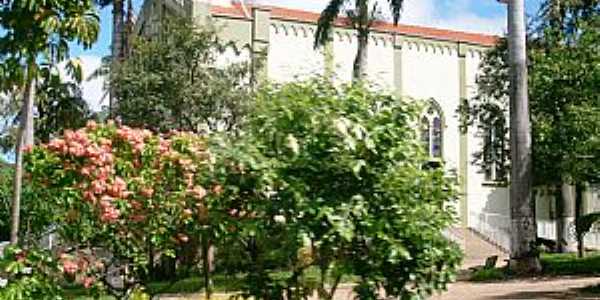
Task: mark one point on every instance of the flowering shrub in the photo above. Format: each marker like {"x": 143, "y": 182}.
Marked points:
{"x": 124, "y": 191}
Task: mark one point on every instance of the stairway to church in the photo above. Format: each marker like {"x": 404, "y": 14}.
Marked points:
{"x": 476, "y": 247}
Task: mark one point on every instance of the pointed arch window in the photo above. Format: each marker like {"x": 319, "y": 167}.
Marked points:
{"x": 432, "y": 130}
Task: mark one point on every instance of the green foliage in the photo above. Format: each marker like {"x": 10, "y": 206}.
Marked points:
{"x": 175, "y": 82}
{"x": 570, "y": 264}
{"x": 30, "y": 275}
{"x": 59, "y": 104}
{"x": 40, "y": 31}
{"x": 584, "y": 223}
{"x": 36, "y": 215}
{"x": 490, "y": 274}
{"x": 334, "y": 7}
{"x": 332, "y": 178}
{"x": 565, "y": 107}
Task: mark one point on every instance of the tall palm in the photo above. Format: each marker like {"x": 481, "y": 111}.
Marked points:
{"x": 118, "y": 35}
{"x": 361, "y": 19}
{"x": 523, "y": 253}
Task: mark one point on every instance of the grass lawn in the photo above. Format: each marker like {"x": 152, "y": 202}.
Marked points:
{"x": 195, "y": 284}
{"x": 553, "y": 264}
{"x": 570, "y": 264}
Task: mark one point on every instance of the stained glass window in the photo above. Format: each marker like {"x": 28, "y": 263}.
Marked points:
{"x": 432, "y": 130}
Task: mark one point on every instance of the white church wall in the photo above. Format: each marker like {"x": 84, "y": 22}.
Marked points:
{"x": 380, "y": 62}
{"x": 344, "y": 52}
{"x": 430, "y": 71}
{"x": 291, "y": 53}
{"x": 487, "y": 202}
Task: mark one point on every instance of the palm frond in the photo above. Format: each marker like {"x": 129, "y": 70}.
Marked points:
{"x": 103, "y": 70}
{"x": 396, "y": 9}
{"x": 326, "y": 21}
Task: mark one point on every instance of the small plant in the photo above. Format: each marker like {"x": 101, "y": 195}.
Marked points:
{"x": 490, "y": 274}
{"x": 29, "y": 274}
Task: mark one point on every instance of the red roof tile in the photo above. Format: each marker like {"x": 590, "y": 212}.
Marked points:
{"x": 237, "y": 11}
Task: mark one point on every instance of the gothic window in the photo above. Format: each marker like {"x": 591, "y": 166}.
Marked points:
{"x": 432, "y": 134}
{"x": 494, "y": 152}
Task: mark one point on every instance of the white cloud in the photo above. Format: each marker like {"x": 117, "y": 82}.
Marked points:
{"x": 92, "y": 90}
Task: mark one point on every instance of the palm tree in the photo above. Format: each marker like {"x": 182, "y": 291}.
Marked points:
{"x": 118, "y": 36}
{"x": 523, "y": 254}
{"x": 361, "y": 19}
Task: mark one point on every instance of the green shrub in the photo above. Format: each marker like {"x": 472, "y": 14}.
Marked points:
{"x": 491, "y": 274}
{"x": 331, "y": 178}
{"x": 570, "y": 264}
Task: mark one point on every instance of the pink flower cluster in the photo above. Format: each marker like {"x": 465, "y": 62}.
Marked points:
{"x": 79, "y": 266}
{"x": 135, "y": 137}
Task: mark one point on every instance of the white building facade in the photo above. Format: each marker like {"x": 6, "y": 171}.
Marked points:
{"x": 436, "y": 65}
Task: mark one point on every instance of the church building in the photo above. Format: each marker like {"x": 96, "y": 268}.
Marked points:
{"x": 436, "y": 65}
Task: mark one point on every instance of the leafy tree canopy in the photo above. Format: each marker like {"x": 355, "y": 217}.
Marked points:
{"x": 174, "y": 81}
{"x": 563, "y": 81}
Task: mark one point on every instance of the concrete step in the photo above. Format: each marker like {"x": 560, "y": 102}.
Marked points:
{"x": 476, "y": 248}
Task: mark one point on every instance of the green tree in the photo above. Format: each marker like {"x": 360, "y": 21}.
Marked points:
{"x": 59, "y": 105}
{"x": 174, "y": 82}
{"x": 331, "y": 179}
{"x": 361, "y": 18}
{"x": 36, "y": 30}
{"x": 563, "y": 93}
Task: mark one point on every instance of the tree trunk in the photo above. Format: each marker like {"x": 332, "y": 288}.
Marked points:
{"x": 565, "y": 220}
{"x": 360, "y": 61}
{"x": 24, "y": 140}
{"x": 523, "y": 257}
{"x": 578, "y": 213}
{"x": 207, "y": 265}
{"x": 117, "y": 46}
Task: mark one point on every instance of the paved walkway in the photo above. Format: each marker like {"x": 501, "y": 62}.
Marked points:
{"x": 518, "y": 289}
{"x": 541, "y": 288}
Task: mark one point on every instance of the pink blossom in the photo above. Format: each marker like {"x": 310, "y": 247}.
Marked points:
{"x": 109, "y": 214}
{"x": 198, "y": 192}
{"x": 217, "y": 189}
{"x": 91, "y": 124}
{"x": 88, "y": 281}
{"x": 57, "y": 145}
{"x": 69, "y": 266}
{"x": 147, "y": 192}
{"x": 98, "y": 187}
{"x": 86, "y": 171}
{"x": 89, "y": 196}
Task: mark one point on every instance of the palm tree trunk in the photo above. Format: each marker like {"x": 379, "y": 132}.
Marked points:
{"x": 117, "y": 45}
{"x": 24, "y": 139}
{"x": 360, "y": 62}
{"x": 565, "y": 218}
{"x": 523, "y": 256}
{"x": 362, "y": 26}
